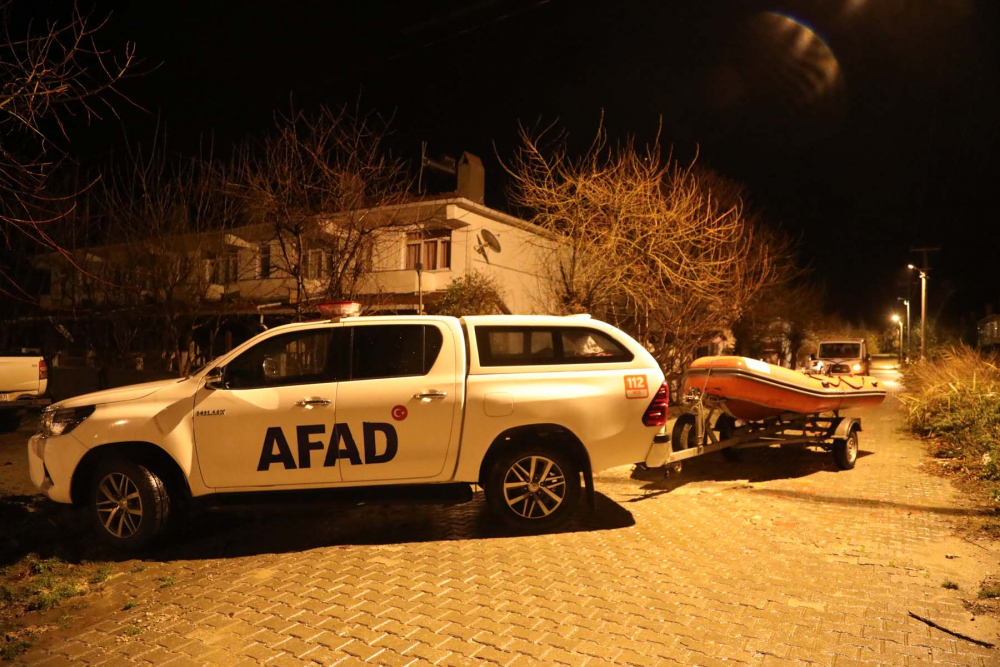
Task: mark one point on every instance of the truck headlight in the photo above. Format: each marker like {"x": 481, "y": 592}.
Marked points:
{"x": 60, "y": 421}
{"x": 856, "y": 367}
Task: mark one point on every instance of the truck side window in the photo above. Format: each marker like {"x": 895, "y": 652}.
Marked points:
{"x": 393, "y": 350}
{"x": 303, "y": 357}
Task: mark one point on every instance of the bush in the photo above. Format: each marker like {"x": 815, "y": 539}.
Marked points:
{"x": 475, "y": 293}
{"x": 955, "y": 401}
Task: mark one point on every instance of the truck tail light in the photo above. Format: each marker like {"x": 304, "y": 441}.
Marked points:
{"x": 43, "y": 370}
{"x": 656, "y": 413}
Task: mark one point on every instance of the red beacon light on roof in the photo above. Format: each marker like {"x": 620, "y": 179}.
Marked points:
{"x": 338, "y": 309}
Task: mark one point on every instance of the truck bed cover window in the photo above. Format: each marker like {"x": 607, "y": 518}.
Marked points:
{"x": 535, "y": 346}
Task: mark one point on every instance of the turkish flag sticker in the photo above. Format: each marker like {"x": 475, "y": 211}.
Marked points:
{"x": 399, "y": 413}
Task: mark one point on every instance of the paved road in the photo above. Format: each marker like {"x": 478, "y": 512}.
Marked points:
{"x": 779, "y": 560}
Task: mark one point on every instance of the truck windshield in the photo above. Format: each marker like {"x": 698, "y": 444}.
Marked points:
{"x": 840, "y": 351}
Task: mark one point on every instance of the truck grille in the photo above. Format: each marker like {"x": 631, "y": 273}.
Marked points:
{"x": 841, "y": 368}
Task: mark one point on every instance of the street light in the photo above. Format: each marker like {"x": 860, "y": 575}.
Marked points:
{"x": 923, "y": 309}
{"x": 899, "y": 321}
{"x": 909, "y": 335}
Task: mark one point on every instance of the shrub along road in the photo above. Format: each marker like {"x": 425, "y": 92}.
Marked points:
{"x": 777, "y": 560}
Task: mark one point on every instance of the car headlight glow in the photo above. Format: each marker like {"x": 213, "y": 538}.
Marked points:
{"x": 856, "y": 367}
{"x": 60, "y": 421}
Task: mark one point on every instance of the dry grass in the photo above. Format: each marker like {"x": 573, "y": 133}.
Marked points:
{"x": 955, "y": 402}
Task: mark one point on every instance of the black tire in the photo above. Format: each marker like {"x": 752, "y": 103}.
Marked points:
{"x": 684, "y": 435}
{"x": 725, "y": 425}
{"x": 119, "y": 485}
{"x": 10, "y": 420}
{"x": 845, "y": 451}
{"x": 524, "y": 492}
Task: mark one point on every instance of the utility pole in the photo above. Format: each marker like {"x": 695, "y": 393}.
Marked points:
{"x": 909, "y": 338}
{"x": 923, "y": 270}
{"x": 899, "y": 320}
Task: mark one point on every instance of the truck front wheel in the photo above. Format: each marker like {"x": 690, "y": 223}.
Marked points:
{"x": 129, "y": 505}
{"x": 534, "y": 487}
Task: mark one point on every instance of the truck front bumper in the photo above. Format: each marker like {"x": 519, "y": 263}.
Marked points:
{"x": 51, "y": 462}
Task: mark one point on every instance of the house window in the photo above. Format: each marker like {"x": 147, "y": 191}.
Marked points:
{"x": 264, "y": 260}
{"x": 227, "y": 267}
{"x": 430, "y": 255}
{"x": 444, "y": 246}
{"x": 315, "y": 266}
{"x": 208, "y": 268}
{"x": 412, "y": 255}
{"x": 432, "y": 248}
{"x": 328, "y": 263}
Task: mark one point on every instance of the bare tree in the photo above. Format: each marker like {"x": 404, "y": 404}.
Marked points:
{"x": 670, "y": 253}
{"x": 785, "y": 316}
{"x": 322, "y": 183}
{"x": 47, "y": 74}
{"x": 166, "y": 243}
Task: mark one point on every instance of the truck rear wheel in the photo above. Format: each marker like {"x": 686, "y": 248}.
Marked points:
{"x": 129, "y": 505}
{"x": 533, "y": 487}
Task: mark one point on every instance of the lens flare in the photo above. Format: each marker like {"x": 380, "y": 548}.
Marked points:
{"x": 776, "y": 83}
{"x": 801, "y": 64}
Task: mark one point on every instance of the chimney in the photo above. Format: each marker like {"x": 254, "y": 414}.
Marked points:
{"x": 471, "y": 178}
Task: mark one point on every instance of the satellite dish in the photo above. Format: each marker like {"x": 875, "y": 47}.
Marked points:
{"x": 487, "y": 240}
{"x": 491, "y": 240}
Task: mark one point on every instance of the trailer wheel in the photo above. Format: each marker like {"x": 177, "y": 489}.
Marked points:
{"x": 684, "y": 435}
{"x": 845, "y": 451}
{"x": 725, "y": 425}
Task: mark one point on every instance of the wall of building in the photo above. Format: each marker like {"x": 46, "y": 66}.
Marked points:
{"x": 519, "y": 267}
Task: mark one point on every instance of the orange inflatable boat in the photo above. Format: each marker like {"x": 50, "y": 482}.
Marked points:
{"x": 751, "y": 390}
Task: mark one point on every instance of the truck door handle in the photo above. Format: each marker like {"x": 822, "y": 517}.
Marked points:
{"x": 313, "y": 400}
{"x": 433, "y": 393}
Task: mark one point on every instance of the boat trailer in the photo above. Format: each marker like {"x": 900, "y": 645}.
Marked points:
{"x": 702, "y": 428}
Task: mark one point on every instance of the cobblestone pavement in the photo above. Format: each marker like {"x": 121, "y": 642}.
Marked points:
{"x": 778, "y": 560}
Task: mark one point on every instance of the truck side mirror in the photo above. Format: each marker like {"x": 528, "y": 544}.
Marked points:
{"x": 812, "y": 357}
{"x": 216, "y": 378}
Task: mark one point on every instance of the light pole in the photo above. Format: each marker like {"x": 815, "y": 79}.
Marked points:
{"x": 896, "y": 318}
{"x": 909, "y": 336}
{"x": 923, "y": 309}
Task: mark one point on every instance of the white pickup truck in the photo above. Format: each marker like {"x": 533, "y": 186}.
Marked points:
{"x": 523, "y": 406}
{"x": 23, "y": 381}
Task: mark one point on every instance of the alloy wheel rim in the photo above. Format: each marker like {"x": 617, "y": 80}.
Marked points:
{"x": 534, "y": 487}
{"x": 119, "y": 505}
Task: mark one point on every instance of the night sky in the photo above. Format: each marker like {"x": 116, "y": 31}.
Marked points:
{"x": 861, "y": 126}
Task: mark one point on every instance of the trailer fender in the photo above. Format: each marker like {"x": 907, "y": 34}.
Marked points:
{"x": 846, "y": 426}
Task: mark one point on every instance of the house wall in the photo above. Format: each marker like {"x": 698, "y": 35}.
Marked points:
{"x": 517, "y": 268}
